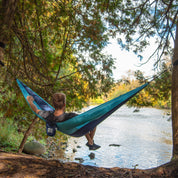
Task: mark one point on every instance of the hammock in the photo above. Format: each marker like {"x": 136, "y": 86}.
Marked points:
{"x": 84, "y": 122}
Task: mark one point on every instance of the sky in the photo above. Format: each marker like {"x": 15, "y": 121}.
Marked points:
{"x": 126, "y": 61}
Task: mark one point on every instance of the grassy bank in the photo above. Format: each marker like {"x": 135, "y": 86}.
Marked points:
{"x": 10, "y": 138}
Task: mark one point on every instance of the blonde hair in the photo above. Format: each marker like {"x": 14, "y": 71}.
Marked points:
{"x": 59, "y": 100}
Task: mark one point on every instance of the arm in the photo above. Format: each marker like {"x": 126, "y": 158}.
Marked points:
{"x": 30, "y": 99}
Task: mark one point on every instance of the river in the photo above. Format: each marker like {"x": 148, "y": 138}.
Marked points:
{"x": 142, "y": 140}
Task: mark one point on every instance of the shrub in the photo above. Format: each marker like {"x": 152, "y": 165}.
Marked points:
{"x": 9, "y": 136}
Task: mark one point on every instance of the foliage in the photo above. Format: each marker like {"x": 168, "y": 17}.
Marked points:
{"x": 58, "y": 51}
{"x": 156, "y": 94}
{"x": 140, "y": 20}
{"x": 10, "y": 138}
{"x": 54, "y": 46}
{"x": 97, "y": 101}
{"x": 55, "y": 40}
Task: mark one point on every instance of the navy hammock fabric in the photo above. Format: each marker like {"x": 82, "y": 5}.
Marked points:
{"x": 84, "y": 122}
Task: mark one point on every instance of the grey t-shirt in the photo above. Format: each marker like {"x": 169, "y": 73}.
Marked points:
{"x": 48, "y": 115}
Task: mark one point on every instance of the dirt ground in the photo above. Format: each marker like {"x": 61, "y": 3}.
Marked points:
{"x": 14, "y": 165}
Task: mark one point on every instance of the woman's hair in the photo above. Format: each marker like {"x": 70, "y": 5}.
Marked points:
{"x": 59, "y": 100}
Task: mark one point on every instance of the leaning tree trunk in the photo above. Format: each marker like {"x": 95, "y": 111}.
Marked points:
{"x": 175, "y": 97}
{"x": 27, "y": 133}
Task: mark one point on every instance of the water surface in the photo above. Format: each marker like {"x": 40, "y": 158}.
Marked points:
{"x": 145, "y": 140}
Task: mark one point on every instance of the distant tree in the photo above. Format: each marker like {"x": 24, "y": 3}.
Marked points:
{"x": 158, "y": 93}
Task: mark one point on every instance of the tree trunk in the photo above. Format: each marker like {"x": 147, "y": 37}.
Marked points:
{"x": 7, "y": 11}
{"x": 175, "y": 96}
{"x": 27, "y": 133}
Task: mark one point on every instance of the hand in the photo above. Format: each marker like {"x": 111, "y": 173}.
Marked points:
{"x": 30, "y": 99}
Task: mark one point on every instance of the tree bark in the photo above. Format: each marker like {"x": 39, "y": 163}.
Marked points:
{"x": 175, "y": 96}
{"x": 27, "y": 133}
{"x": 7, "y": 11}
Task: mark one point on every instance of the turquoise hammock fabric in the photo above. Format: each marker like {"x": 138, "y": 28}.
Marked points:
{"x": 84, "y": 122}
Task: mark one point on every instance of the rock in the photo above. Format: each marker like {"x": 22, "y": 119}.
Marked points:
{"x": 74, "y": 150}
{"x": 63, "y": 143}
{"x": 81, "y": 160}
{"x": 168, "y": 113}
{"x": 91, "y": 155}
{"x": 136, "y": 110}
{"x": 170, "y": 118}
{"x": 78, "y": 146}
{"x": 114, "y": 145}
{"x": 34, "y": 148}
{"x": 135, "y": 166}
{"x": 49, "y": 155}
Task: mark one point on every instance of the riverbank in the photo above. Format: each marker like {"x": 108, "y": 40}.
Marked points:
{"x": 16, "y": 165}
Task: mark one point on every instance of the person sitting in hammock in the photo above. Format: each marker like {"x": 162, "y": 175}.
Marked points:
{"x": 59, "y": 115}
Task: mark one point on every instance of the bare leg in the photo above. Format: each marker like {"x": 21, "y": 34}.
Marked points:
{"x": 90, "y": 141}
{"x": 92, "y": 133}
{"x": 90, "y": 136}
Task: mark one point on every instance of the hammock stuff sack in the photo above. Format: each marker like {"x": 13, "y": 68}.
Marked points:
{"x": 86, "y": 121}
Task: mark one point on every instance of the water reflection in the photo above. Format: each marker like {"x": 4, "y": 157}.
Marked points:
{"x": 145, "y": 138}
